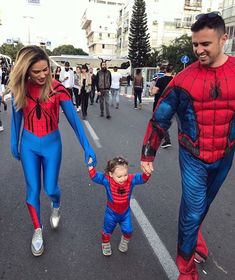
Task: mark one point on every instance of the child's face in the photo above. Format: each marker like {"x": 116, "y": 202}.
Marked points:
{"x": 120, "y": 174}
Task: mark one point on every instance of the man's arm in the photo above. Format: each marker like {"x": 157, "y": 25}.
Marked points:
{"x": 157, "y": 126}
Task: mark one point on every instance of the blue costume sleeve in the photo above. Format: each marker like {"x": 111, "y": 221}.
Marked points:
{"x": 97, "y": 177}
{"x": 166, "y": 109}
{"x": 76, "y": 124}
{"x": 139, "y": 179}
{"x": 16, "y": 120}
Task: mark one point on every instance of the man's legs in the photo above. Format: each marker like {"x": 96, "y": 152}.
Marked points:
{"x": 112, "y": 91}
{"x": 116, "y": 93}
{"x": 101, "y": 99}
{"x": 200, "y": 184}
{"x": 106, "y": 99}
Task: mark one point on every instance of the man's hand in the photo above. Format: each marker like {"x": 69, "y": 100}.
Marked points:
{"x": 154, "y": 90}
{"x": 147, "y": 167}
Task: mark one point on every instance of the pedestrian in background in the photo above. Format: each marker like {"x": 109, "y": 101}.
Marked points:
{"x": 103, "y": 85}
{"x": 67, "y": 78}
{"x": 77, "y": 87}
{"x": 115, "y": 87}
{"x": 93, "y": 86}
{"x": 138, "y": 85}
{"x": 85, "y": 82}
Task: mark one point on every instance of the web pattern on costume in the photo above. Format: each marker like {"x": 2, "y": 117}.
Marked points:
{"x": 204, "y": 100}
{"x": 42, "y": 117}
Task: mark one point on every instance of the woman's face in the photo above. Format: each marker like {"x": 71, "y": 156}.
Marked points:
{"x": 39, "y": 72}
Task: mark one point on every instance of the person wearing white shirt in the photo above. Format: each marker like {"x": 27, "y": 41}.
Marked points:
{"x": 115, "y": 87}
{"x": 67, "y": 78}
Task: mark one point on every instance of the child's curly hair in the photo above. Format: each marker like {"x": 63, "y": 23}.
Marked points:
{"x": 113, "y": 163}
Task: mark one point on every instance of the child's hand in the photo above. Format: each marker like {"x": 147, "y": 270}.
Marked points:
{"x": 90, "y": 164}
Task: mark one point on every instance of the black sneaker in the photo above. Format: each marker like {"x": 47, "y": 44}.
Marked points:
{"x": 108, "y": 117}
{"x": 101, "y": 114}
{"x": 166, "y": 145}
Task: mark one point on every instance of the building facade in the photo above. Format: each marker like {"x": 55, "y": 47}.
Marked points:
{"x": 229, "y": 18}
{"x": 101, "y": 27}
{"x": 167, "y": 20}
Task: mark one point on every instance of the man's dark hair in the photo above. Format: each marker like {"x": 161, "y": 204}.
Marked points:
{"x": 169, "y": 68}
{"x": 211, "y": 20}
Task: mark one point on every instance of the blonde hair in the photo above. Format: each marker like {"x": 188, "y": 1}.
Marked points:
{"x": 19, "y": 76}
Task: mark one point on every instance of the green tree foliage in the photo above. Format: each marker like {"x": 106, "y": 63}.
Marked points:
{"x": 11, "y": 49}
{"x": 139, "y": 46}
{"x": 155, "y": 58}
{"x": 173, "y": 53}
{"x": 68, "y": 49}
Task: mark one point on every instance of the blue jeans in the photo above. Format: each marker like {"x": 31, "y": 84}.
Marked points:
{"x": 115, "y": 95}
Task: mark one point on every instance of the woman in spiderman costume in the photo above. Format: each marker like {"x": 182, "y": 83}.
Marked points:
{"x": 119, "y": 185}
{"x": 37, "y": 100}
{"x": 203, "y": 97}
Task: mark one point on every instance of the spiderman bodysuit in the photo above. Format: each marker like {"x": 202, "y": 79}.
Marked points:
{"x": 40, "y": 143}
{"x": 118, "y": 202}
{"x": 204, "y": 100}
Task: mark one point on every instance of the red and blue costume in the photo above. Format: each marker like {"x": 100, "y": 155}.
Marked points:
{"x": 118, "y": 202}
{"x": 204, "y": 100}
{"x": 40, "y": 142}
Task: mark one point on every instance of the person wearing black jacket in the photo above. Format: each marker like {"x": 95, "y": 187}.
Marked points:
{"x": 103, "y": 85}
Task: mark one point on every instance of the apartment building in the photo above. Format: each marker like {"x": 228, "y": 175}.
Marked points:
{"x": 101, "y": 26}
{"x": 167, "y": 20}
{"x": 229, "y": 18}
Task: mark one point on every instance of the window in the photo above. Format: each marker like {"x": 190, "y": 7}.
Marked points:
{"x": 100, "y": 35}
{"x": 103, "y": 46}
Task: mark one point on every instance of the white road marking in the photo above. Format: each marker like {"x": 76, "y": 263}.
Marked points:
{"x": 155, "y": 242}
{"x": 93, "y": 134}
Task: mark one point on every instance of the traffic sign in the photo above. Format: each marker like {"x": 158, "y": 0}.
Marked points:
{"x": 184, "y": 59}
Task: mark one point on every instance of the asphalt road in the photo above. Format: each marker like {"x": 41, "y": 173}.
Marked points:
{"x": 74, "y": 251}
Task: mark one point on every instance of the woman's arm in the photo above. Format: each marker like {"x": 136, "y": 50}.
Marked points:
{"x": 16, "y": 121}
{"x": 76, "y": 124}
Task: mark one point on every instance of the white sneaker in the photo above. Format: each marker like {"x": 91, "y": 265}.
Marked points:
{"x": 55, "y": 217}
{"x": 106, "y": 249}
{"x": 37, "y": 247}
{"x": 1, "y": 128}
{"x": 123, "y": 245}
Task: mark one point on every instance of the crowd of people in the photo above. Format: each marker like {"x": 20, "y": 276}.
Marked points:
{"x": 202, "y": 97}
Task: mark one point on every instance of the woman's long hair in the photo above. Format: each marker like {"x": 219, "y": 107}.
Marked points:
{"x": 19, "y": 76}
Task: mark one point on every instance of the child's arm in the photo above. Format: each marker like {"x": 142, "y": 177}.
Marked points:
{"x": 97, "y": 177}
{"x": 139, "y": 179}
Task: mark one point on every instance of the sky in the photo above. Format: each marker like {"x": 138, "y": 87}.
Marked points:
{"x": 57, "y": 21}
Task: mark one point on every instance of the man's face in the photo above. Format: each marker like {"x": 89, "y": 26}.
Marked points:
{"x": 208, "y": 46}
{"x": 103, "y": 65}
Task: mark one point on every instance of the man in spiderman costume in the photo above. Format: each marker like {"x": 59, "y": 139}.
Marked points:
{"x": 119, "y": 186}
{"x": 203, "y": 97}
{"x": 36, "y": 99}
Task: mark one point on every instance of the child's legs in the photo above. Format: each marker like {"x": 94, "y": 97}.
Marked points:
{"x": 51, "y": 153}
{"x": 110, "y": 222}
{"x": 126, "y": 224}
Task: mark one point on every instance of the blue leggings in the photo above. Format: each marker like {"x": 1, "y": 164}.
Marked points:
{"x": 200, "y": 183}
{"x": 41, "y": 153}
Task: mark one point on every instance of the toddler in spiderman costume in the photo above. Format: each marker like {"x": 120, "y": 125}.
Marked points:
{"x": 119, "y": 185}
{"x": 36, "y": 100}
